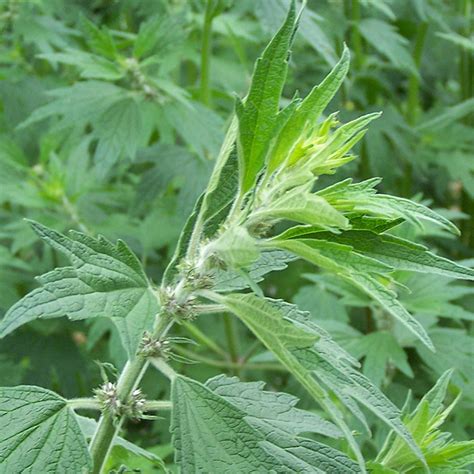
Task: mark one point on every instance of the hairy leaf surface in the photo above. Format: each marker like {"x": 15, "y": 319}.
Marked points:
{"x": 258, "y": 113}
{"x": 104, "y": 281}
{"x": 286, "y": 332}
{"x": 252, "y": 432}
{"x": 39, "y": 433}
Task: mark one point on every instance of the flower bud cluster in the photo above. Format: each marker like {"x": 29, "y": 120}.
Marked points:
{"x": 151, "y": 347}
{"x": 179, "y": 308}
{"x": 108, "y": 398}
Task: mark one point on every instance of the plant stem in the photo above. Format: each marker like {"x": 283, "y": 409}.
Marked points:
{"x": 130, "y": 377}
{"x": 203, "y": 339}
{"x": 466, "y": 73}
{"x": 250, "y": 351}
{"x": 413, "y": 105}
{"x": 164, "y": 368}
{"x": 84, "y": 404}
{"x": 74, "y": 215}
{"x": 205, "y": 91}
{"x": 231, "y": 365}
{"x": 158, "y": 405}
{"x": 413, "y": 102}
{"x": 356, "y": 39}
{"x": 232, "y": 338}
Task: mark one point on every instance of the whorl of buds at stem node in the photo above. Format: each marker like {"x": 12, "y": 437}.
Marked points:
{"x": 110, "y": 402}
{"x": 195, "y": 280}
{"x": 107, "y": 396}
{"x": 179, "y": 309}
{"x": 152, "y": 347}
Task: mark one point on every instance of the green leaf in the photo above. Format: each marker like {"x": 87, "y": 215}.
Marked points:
{"x": 230, "y": 441}
{"x": 171, "y": 271}
{"x": 387, "y": 299}
{"x": 308, "y": 112}
{"x": 219, "y": 200}
{"x": 256, "y": 432}
{"x": 99, "y": 39}
{"x": 90, "y": 65}
{"x": 199, "y": 126}
{"x": 437, "y": 394}
{"x": 230, "y": 280}
{"x": 221, "y": 189}
{"x": 321, "y": 304}
{"x": 163, "y": 30}
{"x": 305, "y": 208}
{"x": 272, "y": 12}
{"x": 236, "y": 248}
{"x": 280, "y": 336}
{"x": 79, "y": 104}
{"x": 103, "y": 281}
{"x": 120, "y": 131}
{"x": 39, "y": 433}
{"x": 333, "y": 154}
{"x": 399, "y": 253}
{"x": 310, "y": 354}
{"x": 278, "y": 410}
{"x": 334, "y": 257}
{"x": 380, "y": 349}
{"x": 442, "y": 453}
{"x": 446, "y": 358}
{"x": 89, "y": 426}
{"x": 362, "y": 198}
{"x": 385, "y": 39}
{"x": 257, "y": 115}
{"x": 459, "y": 40}
{"x": 450, "y": 115}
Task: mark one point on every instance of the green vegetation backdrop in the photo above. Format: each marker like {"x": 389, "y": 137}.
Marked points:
{"x": 112, "y": 114}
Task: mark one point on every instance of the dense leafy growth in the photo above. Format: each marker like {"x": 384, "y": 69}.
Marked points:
{"x": 115, "y": 130}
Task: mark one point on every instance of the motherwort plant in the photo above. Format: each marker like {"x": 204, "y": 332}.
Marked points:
{"x": 262, "y": 208}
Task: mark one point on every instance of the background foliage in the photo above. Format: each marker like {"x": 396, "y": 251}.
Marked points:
{"x": 111, "y": 114}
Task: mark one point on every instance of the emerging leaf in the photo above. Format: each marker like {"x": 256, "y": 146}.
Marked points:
{"x": 442, "y": 453}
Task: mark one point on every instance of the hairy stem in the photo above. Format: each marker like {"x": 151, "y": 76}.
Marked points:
{"x": 158, "y": 405}
{"x": 129, "y": 379}
{"x": 84, "y": 404}
{"x": 164, "y": 368}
